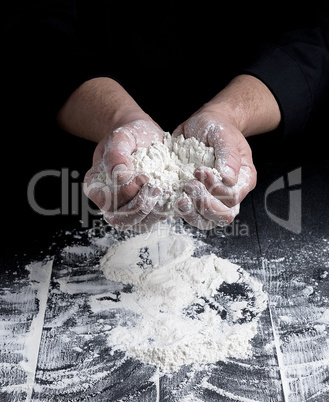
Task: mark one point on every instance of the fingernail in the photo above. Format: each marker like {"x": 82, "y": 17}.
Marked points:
{"x": 194, "y": 191}
{"x": 118, "y": 169}
{"x": 201, "y": 174}
{"x": 183, "y": 206}
{"x": 121, "y": 174}
{"x": 140, "y": 180}
{"x": 154, "y": 192}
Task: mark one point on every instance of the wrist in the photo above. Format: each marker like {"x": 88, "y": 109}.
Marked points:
{"x": 125, "y": 115}
{"x": 224, "y": 112}
{"x": 115, "y": 107}
{"x": 97, "y": 107}
{"x": 247, "y": 104}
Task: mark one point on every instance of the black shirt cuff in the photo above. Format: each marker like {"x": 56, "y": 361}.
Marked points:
{"x": 283, "y": 76}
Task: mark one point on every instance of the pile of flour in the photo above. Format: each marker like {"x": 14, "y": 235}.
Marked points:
{"x": 177, "y": 309}
{"x": 171, "y": 164}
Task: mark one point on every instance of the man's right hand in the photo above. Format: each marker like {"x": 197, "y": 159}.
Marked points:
{"x": 125, "y": 199}
{"x": 101, "y": 110}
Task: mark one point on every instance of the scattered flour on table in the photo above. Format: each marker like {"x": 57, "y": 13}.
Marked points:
{"x": 178, "y": 309}
{"x": 171, "y": 164}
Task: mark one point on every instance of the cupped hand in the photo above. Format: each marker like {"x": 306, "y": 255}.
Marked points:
{"x": 122, "y": 194}
{"x": 212, "y": 200}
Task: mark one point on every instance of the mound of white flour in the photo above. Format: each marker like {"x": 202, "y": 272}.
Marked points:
{"x": 178, "y": 309}
{"x": 171, "y": 164}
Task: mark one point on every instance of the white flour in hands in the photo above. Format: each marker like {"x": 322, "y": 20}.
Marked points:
{"x": 171, "y": 164}
{"x": 178, "y": 309}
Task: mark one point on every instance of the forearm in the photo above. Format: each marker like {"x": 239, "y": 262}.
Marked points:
{"x": 248, "y": 104}
{"x": 96, "y": 108}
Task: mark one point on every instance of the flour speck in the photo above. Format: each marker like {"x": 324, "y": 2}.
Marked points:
{"x": 181, "y": 309}
{"x": 171, "y": 164}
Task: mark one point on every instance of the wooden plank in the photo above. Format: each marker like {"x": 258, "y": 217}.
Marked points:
{"x": 296, "y": 268}
{"x": 290, "y": 351}
{"x": 75, "y": 361}
{"x": 257, "y": 379}
{"x": 23, "y": 297}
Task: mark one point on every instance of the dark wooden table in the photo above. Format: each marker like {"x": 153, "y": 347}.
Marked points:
{"x": 53, "y": 345}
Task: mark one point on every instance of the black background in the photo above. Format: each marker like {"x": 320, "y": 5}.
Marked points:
{"x": 170, "y": 59}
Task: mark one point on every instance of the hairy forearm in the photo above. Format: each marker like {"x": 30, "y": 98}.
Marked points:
{"x": 96, "y": 108}
{"x": 100, "y": 105}
{"x": 249, "y": 104}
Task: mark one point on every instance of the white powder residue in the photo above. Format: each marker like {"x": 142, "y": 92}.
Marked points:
{"x": 325, "y": 317}
{"x": 40, "y": 273}
{"x": 179, "y": 309}
{"x": 171, "y": 164}
{"x": 25, "y": 338}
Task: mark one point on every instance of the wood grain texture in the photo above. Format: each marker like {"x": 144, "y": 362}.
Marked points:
{"x": 75, "y": 362}
{"x": 296, "y": 277}
{"x": 23, "y": 301}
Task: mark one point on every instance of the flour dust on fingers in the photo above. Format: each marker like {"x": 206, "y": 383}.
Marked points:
{"x": 169, "y": 166}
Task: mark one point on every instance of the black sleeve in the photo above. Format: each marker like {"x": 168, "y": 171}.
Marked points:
{"x": 296, "y": 69}
{"x": 44, "y": 61}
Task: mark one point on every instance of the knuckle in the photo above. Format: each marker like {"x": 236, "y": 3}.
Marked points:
{"x": 253, "y": 181}
{"x": 233, "y": 198}
{"x": 229, "y": 196}
{"x": 127, "y": 191}
{"x": 228, "y": 216}
{"x": 111, "y": 218}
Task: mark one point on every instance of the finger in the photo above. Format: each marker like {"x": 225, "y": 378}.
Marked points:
{"x": 209, "y": 207}
{"x": 185, "y": 208}
{"x": 134, "y": 211}
{"x": 178, "y": 131}
{"x": 99, "y": 193}
{"x": 159, "y": 213}
{"x": 228, "y": 162}
{"x": 196, "y": 126}
{"x": 118, "y": 149}
{"x": 229, "y": 196}
{"x": 121, "y": 175}
{"x": 107, "y": 195}
{"x": 126, "y": 183}
{"x": 216, "y": 187}
{"x": 95, "y": 189}
{"x": 122, "y": 143}
{"x": 228, "y": 159}
{"x": 122, "y": 194}
{"x": 226, "y": 145}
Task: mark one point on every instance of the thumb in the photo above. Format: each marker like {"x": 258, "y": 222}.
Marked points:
{"x": 228, "y": 159}
{"x": 117, "y": 155}
{"x": 178, "y": 131}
